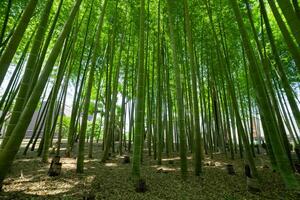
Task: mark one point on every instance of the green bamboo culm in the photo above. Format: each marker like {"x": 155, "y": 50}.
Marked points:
{"x": 230, "y": 88}
{"x": 78, "y": 89}
{"x": 7, "y": 155}
{"x": 15, "y": 39}
{"x": 49, "y": 117}
{"x": 280, "y": 68}
{"x": 15, "y": 76}
{"x": 192, "y": 62}
{"x": 109, "y": 105}
{"x": 179, "y": 97}
{"x": 43, "y": 51}
{"x": 292, "y": 46}
{"x": 123, "y": 117}
{"x": 82, "y": 133}
{"x": 5, "y": 21}
{"x": 264, "y": 106}
{"x": 291, "y": 18}
{"x": 29, "y": 69}
{"x": 91, "y": 141}
{"x": 140, "y": 104}
{"x": 159, "y": 127}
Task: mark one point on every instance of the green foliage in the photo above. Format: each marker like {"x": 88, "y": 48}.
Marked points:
{"x": 197, "y": 76}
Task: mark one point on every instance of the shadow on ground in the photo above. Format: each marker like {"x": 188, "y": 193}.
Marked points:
{"x": 111, "y": 180}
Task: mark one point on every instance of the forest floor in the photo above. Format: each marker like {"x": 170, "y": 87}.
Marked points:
{"x": 111, "y": 180}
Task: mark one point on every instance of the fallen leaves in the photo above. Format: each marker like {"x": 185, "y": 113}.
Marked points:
{"x": 112, "y": 180}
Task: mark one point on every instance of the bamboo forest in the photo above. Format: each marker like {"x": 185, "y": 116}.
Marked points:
{"x": 150, "y": 99}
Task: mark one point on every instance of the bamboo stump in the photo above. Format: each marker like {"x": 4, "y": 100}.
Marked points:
{"x": 126, "y": 160}
{"x": 55, "y": 167}
{"x": 253, "y": 185}
{"x": 171, "y": 162}
{"x": 140, "y": 186}
{"x": 230, "y": 169}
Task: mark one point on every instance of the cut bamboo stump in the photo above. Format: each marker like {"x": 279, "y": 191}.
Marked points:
{"x": 248, "y": 171}
{"x": 141, "y": 186}
{"x": 55, "y": 167}
{"x": 126, "y": 160}
{"x": 171, "y": 162}
{"x": 210, "y": 163}
{"x": 230, "y": 169}
{"x": 253, "y": 185}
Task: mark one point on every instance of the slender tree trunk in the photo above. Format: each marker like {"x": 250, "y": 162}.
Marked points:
{"x": 23, "y": 92}
{"x": 291, "y": 18}
{"x": 13, "y": 144}
{"x": 196, "y": 128}
{"x": 265, "y": 110}
{"x": 14, "y": 42}
{"x": 288, "y": 89}
{"x": 292, "y": 46}
{"x": 159, "y": 128}
{"x": 4, "y": 25}
{"x": 82, "y": 133}
{"x": 95, "y": 117}
{"x": 38, "y": 66}
{"x": 123, "y": 108}
{"x": 140, "y": 104}
{"x": 179, "y": 98}
{"x": 76, "y": 99}
{"x": 65, "y": 89}
{"x": 49, "y": 119}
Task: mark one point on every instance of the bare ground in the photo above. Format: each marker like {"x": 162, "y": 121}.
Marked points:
{"x": 111, "y": 180}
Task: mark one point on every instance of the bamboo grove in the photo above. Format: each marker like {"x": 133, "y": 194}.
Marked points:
{"x": 151, "y": 78}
